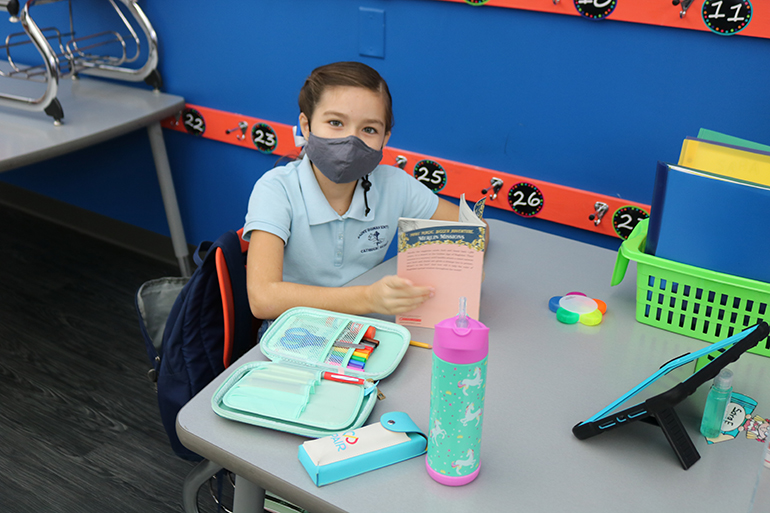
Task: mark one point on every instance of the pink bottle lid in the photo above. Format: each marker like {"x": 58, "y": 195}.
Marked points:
{"x": 461, "y": 345}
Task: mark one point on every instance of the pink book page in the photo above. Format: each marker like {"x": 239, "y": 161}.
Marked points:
{"x": 452, "y": 266}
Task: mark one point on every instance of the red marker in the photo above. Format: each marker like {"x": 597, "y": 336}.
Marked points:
{"x": 342, "y": 378}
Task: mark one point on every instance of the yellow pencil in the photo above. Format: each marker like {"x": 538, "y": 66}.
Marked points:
{"x": 420, "y": 344}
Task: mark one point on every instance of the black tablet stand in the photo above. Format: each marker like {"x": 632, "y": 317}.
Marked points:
{"x": 659, "y": 410}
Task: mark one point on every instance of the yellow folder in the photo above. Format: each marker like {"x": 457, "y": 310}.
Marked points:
{"x": 731, "y": 161}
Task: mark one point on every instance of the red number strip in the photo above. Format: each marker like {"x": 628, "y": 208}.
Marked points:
{"x": 561, "y": 204}
{"x": 649, "y": 12}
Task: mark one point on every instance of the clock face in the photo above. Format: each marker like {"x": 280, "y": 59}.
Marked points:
{"x": 726, "y": 17}
{"x": 193, "y": 121}
{"x": 525, "y": 199}
{"x": 431, "y": 174}
{"x": 595, "y": 9}
{"x": 626, "y": 218}
{"x": 264, "y": 137}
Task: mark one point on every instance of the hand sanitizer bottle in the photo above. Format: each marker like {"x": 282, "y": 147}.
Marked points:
{"x": 716, "y": 404}
{"x": 458, "y": 388}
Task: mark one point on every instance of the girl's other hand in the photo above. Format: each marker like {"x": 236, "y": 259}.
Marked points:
{"x": 393, "y": 295}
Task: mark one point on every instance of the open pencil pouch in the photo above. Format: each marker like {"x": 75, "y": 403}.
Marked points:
{"x": 294, "y": 391}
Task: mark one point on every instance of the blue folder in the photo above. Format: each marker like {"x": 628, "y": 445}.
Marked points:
{"x": 710, "y": 221}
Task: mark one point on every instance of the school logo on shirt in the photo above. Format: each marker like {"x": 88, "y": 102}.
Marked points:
{"x": 375, "y": 238}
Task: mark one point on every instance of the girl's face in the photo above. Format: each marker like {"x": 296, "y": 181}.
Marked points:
{"x": 346, "y": 110}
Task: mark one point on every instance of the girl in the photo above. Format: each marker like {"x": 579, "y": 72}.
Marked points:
{"x": 321, "y": 221}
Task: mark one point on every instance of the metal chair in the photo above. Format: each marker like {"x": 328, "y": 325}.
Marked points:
{"x": 75, "y": 55}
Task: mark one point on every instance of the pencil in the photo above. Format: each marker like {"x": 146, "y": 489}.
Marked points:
{"x": 420, "y": 344}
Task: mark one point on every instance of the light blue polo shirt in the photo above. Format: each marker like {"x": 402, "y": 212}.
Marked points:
{"x": 321, "y": 247}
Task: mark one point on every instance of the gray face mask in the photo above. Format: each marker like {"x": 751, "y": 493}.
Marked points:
{"x": 342, "y": 160}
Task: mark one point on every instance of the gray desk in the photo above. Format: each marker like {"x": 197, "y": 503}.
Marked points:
{"x": 94, "y": 111}
{"x": 543, "y": 378}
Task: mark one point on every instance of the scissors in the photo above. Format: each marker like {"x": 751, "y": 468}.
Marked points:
{"x": 296, "y": 338}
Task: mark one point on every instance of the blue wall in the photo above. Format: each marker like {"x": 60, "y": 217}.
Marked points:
{"x": 591, "y": 105}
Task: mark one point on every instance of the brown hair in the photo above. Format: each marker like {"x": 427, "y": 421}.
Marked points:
{"x": 355, "y": 74}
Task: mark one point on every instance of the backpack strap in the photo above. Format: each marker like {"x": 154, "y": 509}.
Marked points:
{"x": 236, "y": 267}
{"x": 203, "y": 247}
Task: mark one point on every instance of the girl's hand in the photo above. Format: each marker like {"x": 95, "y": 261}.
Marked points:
{"x": 393, "y": 295}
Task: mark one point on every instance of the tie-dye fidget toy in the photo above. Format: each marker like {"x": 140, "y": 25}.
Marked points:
{"x": 577, "y": 307}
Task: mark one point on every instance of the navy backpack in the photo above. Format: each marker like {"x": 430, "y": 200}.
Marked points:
{"x": 183, "y": 325}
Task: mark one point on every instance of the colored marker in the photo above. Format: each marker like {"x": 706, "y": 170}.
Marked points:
{"x": 420, "y": 344}
{"x": 342, "y": 378}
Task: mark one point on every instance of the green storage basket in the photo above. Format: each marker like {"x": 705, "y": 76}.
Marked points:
{"x": 691, "y": 301}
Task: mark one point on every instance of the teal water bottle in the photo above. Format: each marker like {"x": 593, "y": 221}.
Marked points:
{"x": 458, "y": 388}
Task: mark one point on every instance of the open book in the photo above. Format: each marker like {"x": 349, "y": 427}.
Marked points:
{"x": 446, "y": 255}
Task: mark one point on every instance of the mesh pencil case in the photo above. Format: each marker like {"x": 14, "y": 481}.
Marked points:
{"x": 294, "y": 392}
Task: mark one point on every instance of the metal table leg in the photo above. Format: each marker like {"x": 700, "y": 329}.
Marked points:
{"x": 197, "y": 477}
{"x": 173, "y": 216}
{"x": 248, "y": 498}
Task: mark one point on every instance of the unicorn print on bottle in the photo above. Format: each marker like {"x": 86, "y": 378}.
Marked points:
{"x": 436, "y": 431}
{"x": 469, "y": 461}
{"x": 471, "y": 415}
{"x": 476, "y": 381}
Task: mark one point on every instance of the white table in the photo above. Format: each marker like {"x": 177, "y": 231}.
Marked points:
{"x": 543, "y": 378}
